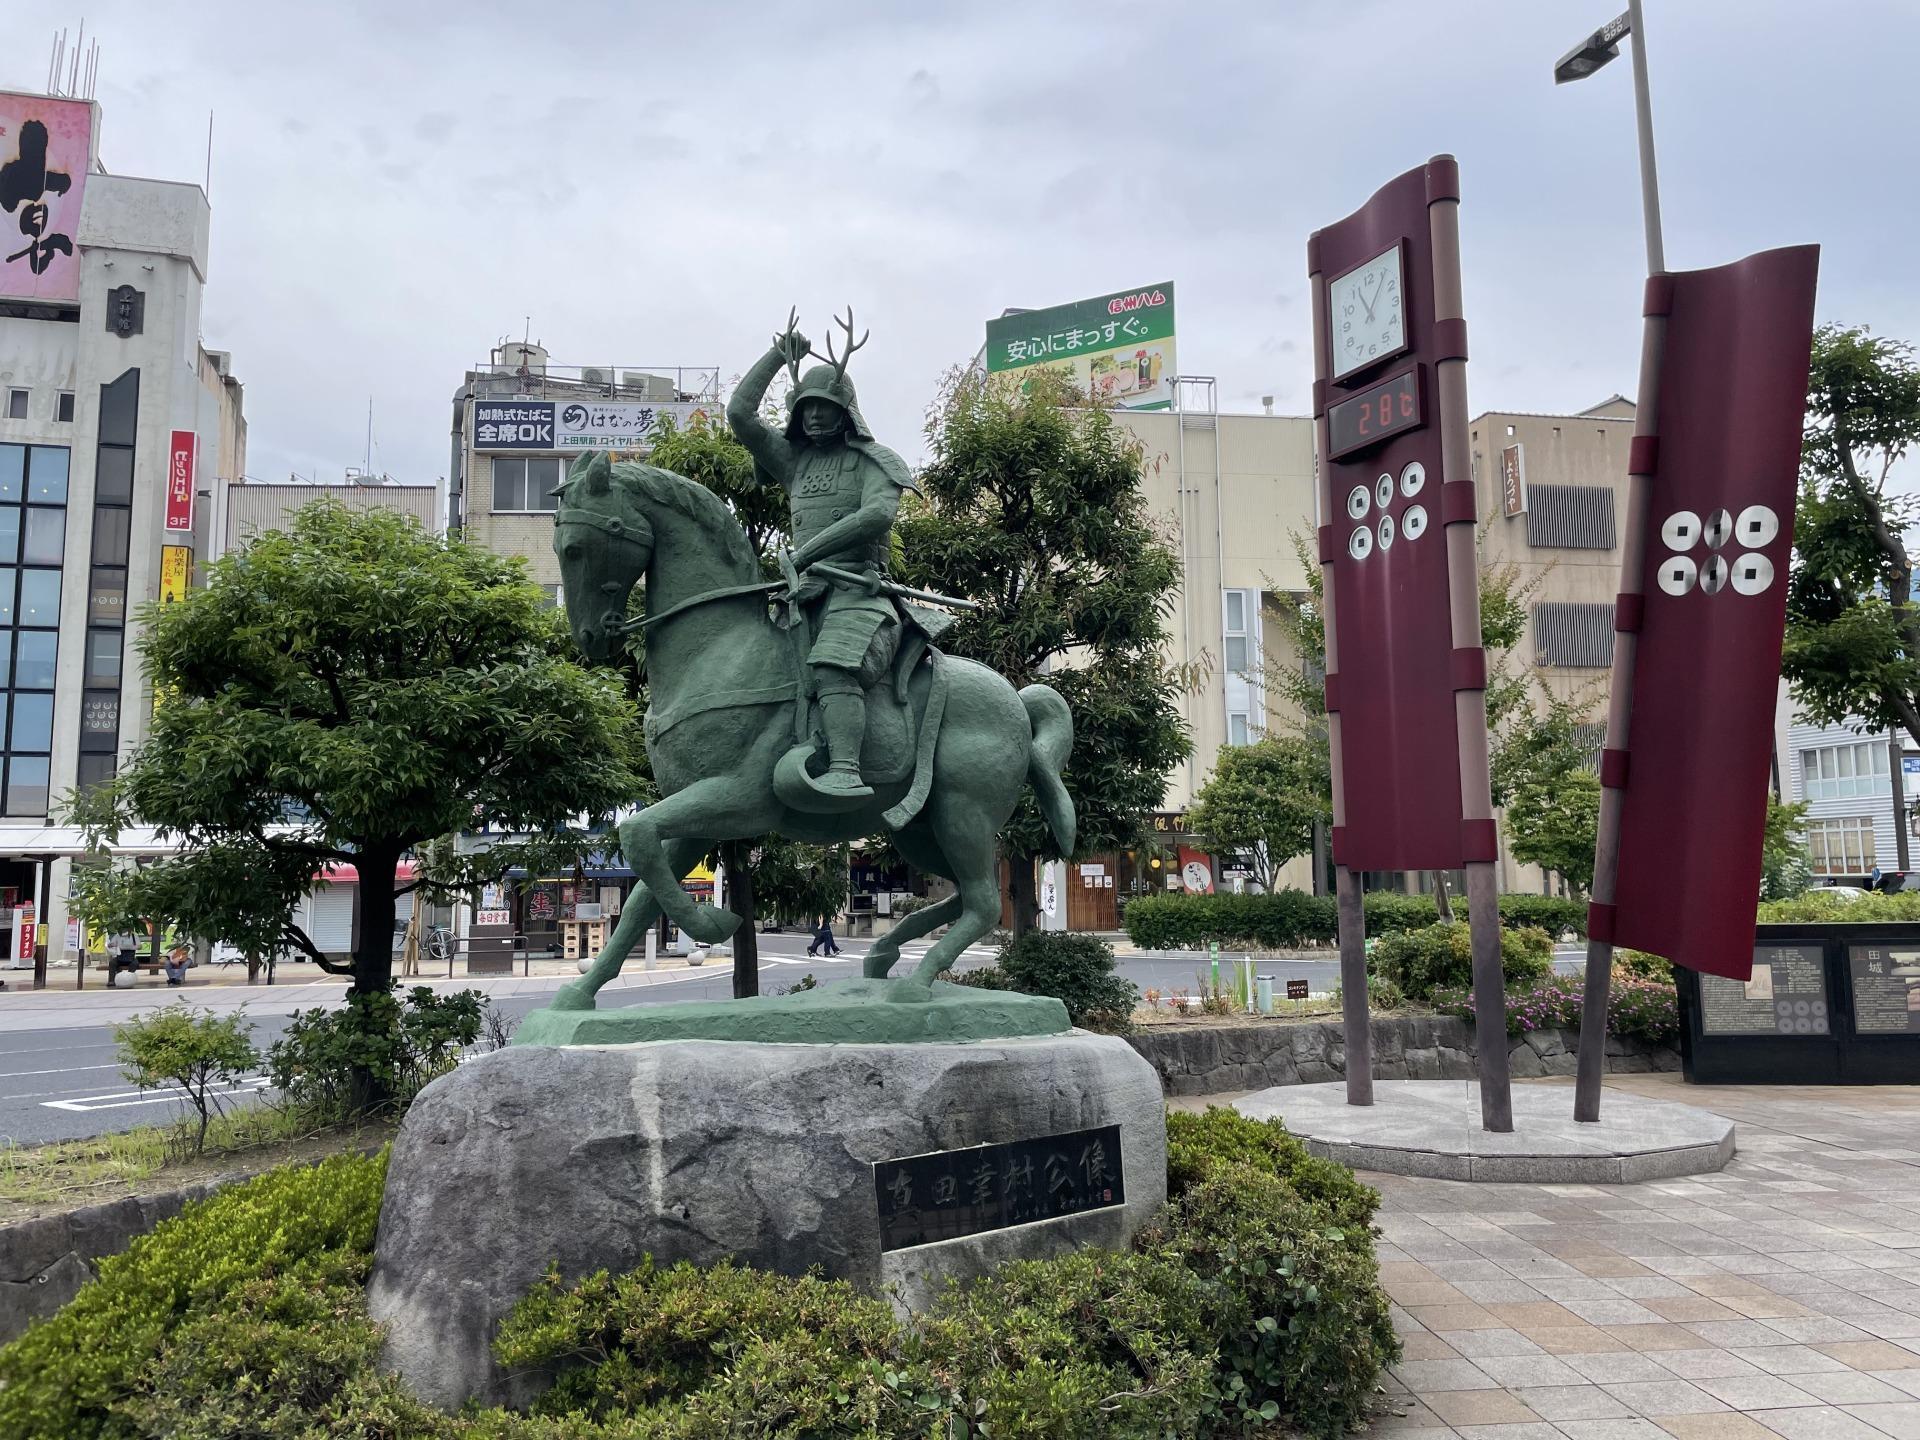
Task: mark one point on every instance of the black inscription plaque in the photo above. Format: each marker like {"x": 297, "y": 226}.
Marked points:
{"x": 1786, "y": 996}
{"x": 950, "y": 1193}
{"x": 1886, "y": 989}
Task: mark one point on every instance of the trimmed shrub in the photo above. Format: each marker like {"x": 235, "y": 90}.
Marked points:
{"x": 1642, "y": 966}
{"x": 1817, "y": 904}
{"x": 1077, "y": 970}
{"x": 404, "y": 1044}
{"x": 1293, "y": 919}
{"x": 1294, "y": 1306}
{"x": 1391, "y": 914}
{"x": 293, "y": 1356}
{"x": 624, "y": 1345}
{"x": 63, "y": 1379}
{"x": 1554, "y": 914}
{"x": 1093, "y": 1343}
{"x": 1284, "y": 920}
{"x": 1200, "y": 1146}
{"x": 1442, "y": 955}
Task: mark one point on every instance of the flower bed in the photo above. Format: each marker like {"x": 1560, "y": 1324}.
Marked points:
{"x": 1636, "y": 1009}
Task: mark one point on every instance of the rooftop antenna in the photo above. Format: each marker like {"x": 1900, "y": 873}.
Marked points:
{"x": 368, "y": 466}
{"x": 73, "y": 85}
{"x": 93, "y": 68}
{"x": 53, "y": 69}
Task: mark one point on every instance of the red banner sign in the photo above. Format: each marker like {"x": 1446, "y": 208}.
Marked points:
{"x": 180, "y": 478}
{"x": 1712, "y": 614}
{"x": 1382, "y": 529}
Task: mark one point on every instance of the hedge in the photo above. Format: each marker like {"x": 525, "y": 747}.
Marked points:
{"x": 1293, "y": 919}
{"x": 1252, "y": 1300}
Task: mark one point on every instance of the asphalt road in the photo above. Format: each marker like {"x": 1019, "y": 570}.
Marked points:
{"x": 59, "y": 1078}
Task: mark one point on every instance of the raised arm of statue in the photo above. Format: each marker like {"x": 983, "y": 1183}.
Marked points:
{"x": 768, "y": 446}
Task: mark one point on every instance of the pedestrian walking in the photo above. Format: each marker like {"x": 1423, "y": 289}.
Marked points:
{"x": 823, "y": 943}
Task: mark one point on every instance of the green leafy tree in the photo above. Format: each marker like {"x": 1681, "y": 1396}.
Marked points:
{"x": 197, "y": 1050}
{"x": 1785, "y": 869}
{"x": 798, "y": 883}
{"x": 1264, "y": 800}
{"x": 1852, "y": 649}
{"x": 1033, "y": 508}
{"x": 1553, "y": 820}
{"x": 343, "y": 693}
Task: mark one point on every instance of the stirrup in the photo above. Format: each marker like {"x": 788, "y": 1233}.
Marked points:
{"x": 799, "y": 790}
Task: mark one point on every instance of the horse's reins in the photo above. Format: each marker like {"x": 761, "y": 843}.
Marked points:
{"x": 625, "y": 626}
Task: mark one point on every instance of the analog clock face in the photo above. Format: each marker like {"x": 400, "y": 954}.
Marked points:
{"x": 1367, "y": 313}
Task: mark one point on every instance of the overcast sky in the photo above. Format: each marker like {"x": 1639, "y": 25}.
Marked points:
{"x": 396, "y": 188}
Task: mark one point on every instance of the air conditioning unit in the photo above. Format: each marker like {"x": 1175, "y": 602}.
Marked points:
{"x": 592, "y": 375}
{"x": 649, "y": 387}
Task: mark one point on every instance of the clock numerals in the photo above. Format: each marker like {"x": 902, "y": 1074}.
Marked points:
{"x": 1372, "y": 320}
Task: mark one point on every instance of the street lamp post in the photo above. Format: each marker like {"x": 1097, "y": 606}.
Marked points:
{"x": 1600, "y": 47}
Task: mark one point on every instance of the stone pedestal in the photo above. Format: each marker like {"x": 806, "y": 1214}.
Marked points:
{"x": 593, "y": 1156}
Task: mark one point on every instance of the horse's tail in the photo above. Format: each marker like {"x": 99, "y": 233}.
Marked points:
{"x": 1052, "y": 724}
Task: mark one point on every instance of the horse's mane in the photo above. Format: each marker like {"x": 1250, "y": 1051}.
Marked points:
{"x": 695, "y": 501}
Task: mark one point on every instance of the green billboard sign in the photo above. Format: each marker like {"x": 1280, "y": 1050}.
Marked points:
{"x": 1117, "y": 347}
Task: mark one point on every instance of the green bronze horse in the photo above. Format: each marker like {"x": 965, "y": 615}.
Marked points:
{"x": 729, "y": 703}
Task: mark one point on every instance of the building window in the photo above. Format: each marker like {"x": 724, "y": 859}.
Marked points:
{"x": 1237, "y": 729}
{"x": 16, "y": 404}
{"x": 63, "y": 408}
{"x": 556, "y": 596}
{"x": 103, "y": 660}
{"x": 1570, "y": 517}
{"x": 1579, "y": 636}
{"x": 1234, "y": 638}
{"x": 1840, "y": 772}
{"x": 1841, "y": 847}
{"x": 527, "y": 484}
{"x": 33, "y": 659}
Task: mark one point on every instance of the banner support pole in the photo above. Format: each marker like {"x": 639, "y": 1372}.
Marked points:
{"x": 1355, "y": 1016}
{"x": 1592, "y": 1062}
{"x": 1470, "y": 702}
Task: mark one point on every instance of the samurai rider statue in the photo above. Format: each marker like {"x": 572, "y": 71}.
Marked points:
{"x": 844, "y": 491}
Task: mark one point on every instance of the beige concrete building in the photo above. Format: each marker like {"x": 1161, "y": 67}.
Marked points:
{"x": 115, "y": 422}
{"x": 244, "y": 508}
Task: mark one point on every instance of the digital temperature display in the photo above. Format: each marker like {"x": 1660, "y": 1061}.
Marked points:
{"x": 1374, "y": 414}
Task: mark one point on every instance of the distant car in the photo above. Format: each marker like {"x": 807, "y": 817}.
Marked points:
{"x": 1841, "y": 892}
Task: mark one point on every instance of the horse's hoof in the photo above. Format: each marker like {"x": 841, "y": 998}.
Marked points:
{"x": 877, "y": 964}
{"x": 711, "y": 925}
{"x": 910, "y": 991}
{"x": 571, "y": 996}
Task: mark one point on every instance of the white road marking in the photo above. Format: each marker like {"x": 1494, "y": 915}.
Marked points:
{"x": 125, "y": 1098}
{"x": 63, "y": 1070}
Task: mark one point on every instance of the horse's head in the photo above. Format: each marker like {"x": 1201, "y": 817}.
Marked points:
{"x": 605, "y": 544}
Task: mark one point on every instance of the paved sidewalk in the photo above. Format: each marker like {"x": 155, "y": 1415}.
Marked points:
{"x": 1779, "y": 1297}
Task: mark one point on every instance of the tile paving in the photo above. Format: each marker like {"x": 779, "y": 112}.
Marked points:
{"x": 1778, "y": 1299}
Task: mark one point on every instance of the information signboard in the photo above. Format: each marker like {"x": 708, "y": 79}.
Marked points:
{"x": 1786, "y": 995}
{"x": 1886, "y": 989}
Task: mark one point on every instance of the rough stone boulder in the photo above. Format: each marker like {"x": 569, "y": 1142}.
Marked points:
{"x": 590, "y": 1157}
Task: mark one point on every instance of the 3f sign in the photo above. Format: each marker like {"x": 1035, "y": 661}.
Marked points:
{"x": 180, "y": 480}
